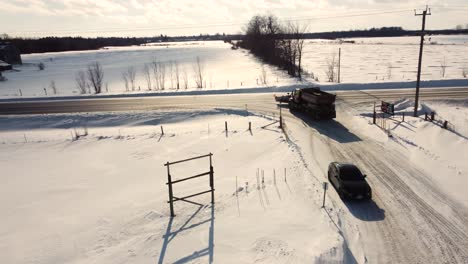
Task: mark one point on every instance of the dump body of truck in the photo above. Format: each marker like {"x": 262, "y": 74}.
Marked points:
{"x": 317, "y": 103}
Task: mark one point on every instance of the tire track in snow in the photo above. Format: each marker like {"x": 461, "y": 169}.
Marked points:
{"x": 443, "y": 240}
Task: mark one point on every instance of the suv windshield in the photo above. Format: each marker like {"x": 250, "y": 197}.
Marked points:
{"x": 351, "y": 173}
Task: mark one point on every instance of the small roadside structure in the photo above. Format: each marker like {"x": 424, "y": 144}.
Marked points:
{"x": 9, "y": 53}
{"x": 5, "y": 66}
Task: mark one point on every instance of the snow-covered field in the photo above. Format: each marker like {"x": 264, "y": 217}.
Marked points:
{"x": 222, "y": 68}
{"x": 102, "y": 198}
{"x": 368, "y": 60}
{"x": 389, "y": 59}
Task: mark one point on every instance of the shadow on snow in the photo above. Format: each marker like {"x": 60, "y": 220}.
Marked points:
{"x": 186, "y": 226}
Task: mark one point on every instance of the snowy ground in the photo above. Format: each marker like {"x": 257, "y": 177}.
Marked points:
{"x": 441, "y": 153}
{"x": 391, "y": 61}
{"x": 102, "y": 198}
{"x": 222, "y": 68}
{"x": 419, "y": 212}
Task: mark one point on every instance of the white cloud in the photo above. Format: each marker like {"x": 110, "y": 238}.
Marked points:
{"x": 132, "y": 14}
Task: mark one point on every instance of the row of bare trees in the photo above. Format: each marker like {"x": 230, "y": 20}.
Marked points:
{"x": 91, "y": 78}
{"x": 158, "y": 75}
{"x": 278, "y": 43}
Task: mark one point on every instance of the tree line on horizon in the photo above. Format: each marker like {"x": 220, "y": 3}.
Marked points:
{"x": 58, "y": 44}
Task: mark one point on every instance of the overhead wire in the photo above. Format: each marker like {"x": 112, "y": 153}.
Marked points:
{"x": 209, "y": 25}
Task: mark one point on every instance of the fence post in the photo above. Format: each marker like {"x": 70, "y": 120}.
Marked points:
{"x": 403, "y": 117}
{"x": 445, "y": 124}
{"x": 432, "y": 116}
{"x": 225, "y": 126}
{"x": 425, "y": 116}
{"x": 250, "y": 126}
{"x": 281, "y": 119}
{"x": 212, "y": 180}
{"x": 169, "y": 183}
{"x": 374, "y": 117}
{"x": 325, "y": 187}
{"x": 162, "y": 130}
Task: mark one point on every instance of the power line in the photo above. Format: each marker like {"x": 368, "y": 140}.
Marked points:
{"x": 191, "y": 26}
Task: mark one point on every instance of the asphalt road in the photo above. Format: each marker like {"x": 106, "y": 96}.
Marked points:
{"x": 261, "y": 101}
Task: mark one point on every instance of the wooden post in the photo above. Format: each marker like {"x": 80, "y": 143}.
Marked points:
{"x": 225, "y": 126}
{"x": 212, "y": 180}
{"x": 274, "y": 177}
{"x": 432, "y": 116}
{"x": 285, "y": 175}
{"x": 325, "y": 187}
{"x": 425, "y": 116}
{"x": 250, "y": 126}
{"x": 263, "y": 179}
{"x": 169, "y": 184}
{"x": 281, "y": 120}
{"x": 403, "y": 117}
{"x": 445, "y": 124}
{"x": 21, "y": 93}
{"x": 45, "y": 91}
{"x": 374, "y": 117}
{"x": 162, "y": 130}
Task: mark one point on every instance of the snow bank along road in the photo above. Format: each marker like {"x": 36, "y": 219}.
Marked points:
{"x": 410, "y": 220}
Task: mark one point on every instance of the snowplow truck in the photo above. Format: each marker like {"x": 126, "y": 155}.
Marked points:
{"x": 318, "y": 104}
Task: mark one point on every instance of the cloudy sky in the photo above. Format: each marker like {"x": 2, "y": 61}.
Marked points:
{"x": 36, "y": 18}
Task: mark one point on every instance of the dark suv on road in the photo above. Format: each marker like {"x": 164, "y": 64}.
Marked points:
{"x": 348, "y": 181}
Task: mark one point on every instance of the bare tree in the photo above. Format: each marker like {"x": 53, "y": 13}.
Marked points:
{"x": 389, "y": 70}
{"x": 185, "y": 78}
{"x": 331, "y": 65}
{"x": 95, "y": 76}
{"x": 177, "y": 74}
{"x": 443, "y": 67}
{"x": 171, "y": 73}
{"x": 131, "y": 75}
{"x": 162, "y": 75}
{"x": 125, "y": 79}
{"x": 81, "y": 83}
{"x": 297, "y": 31}
{"x": 155, "y": 67}
{"x": 147, "y": 74}
{"x": 263, "y": 76}
{"x": 53, "y": 87}
{"x": 199, "y": 72}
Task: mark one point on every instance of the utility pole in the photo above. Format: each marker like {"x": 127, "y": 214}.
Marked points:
{"x": 423, "y": 14}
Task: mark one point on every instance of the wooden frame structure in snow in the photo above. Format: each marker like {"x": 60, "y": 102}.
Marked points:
{"x": 170, "y": 182}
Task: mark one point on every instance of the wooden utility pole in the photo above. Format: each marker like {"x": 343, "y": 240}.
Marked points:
{"x": 423, "y": 14}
